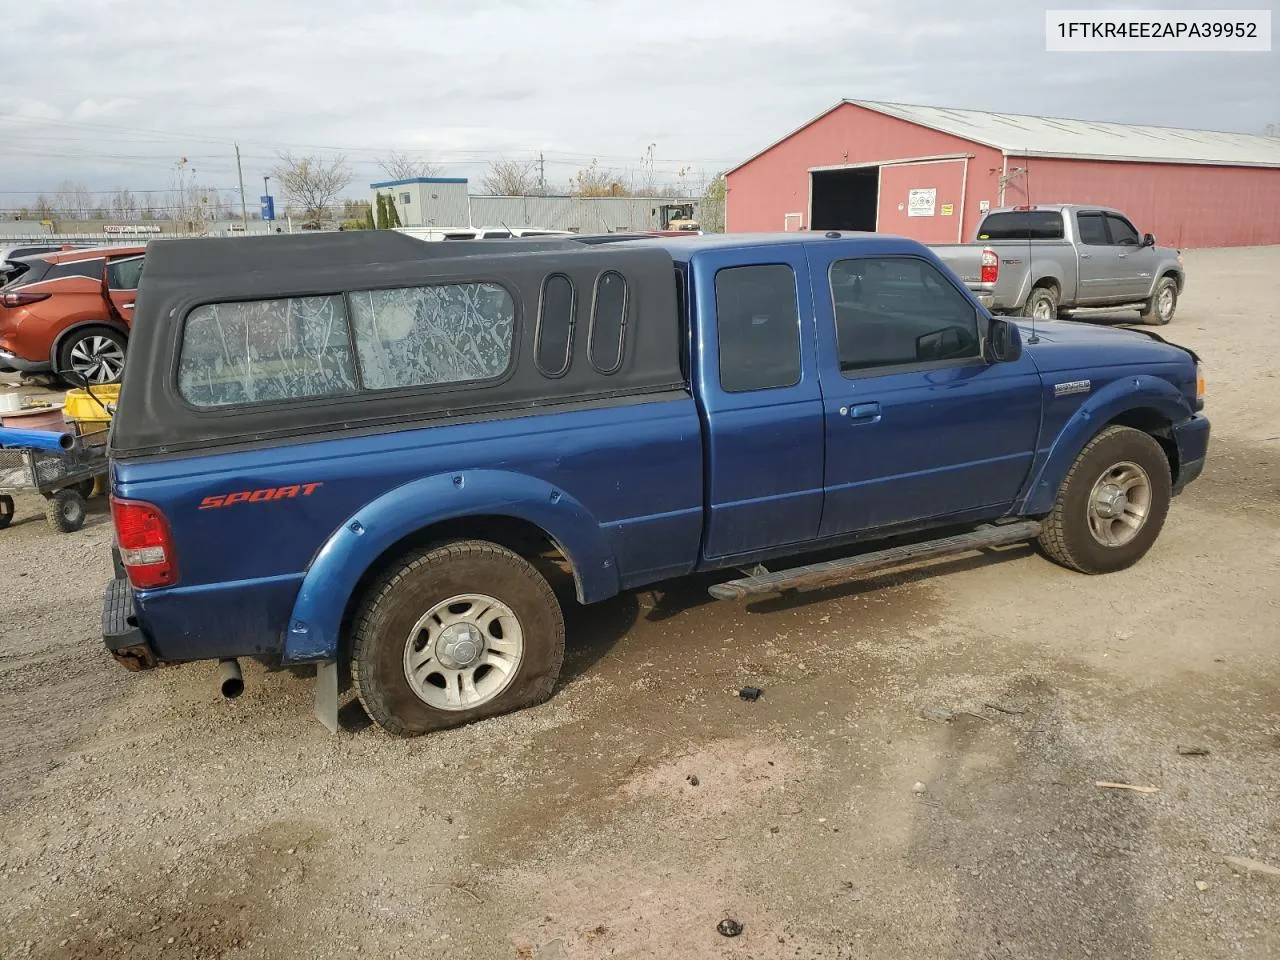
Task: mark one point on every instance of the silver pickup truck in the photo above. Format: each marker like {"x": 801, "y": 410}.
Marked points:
{"x": 1049, "y": 261}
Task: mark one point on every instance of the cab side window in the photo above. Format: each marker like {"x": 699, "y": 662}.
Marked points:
{"x": 758, "y": 327}
{"x": 899, "y": 311}
{"x": 1093, "y": 232}
{"x": 1122, "y": 232}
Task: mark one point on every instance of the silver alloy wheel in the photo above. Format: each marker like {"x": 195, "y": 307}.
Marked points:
{"x": 1119, "y": 504}
{"x": 98, "y": 359}
{"x": 1042, "y": 310}
{"x": 1164, "y": 303}
{"x": 463, "y": 652}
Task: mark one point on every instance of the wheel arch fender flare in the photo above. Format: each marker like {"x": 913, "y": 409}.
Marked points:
{"x": 1123, "y": 395}
{"x": 365, "y": 537}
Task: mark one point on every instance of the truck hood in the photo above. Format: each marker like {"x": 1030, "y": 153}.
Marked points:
{"x": 1066, "y": 344}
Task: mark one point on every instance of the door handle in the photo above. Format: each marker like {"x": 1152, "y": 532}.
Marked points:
{"x": 1123, "y": 255}
{"x": 126, "y": 306}
{"x": 1085, "y": 256}
{"x": 864, "y": 413}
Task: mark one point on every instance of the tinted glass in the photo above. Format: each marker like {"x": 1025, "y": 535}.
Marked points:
{"x": 758, "y": 324}
{"x": 496, "y": 235}
{"x": 263, "y": 350}
{"x": 1122, "y": 231}
{"x": 76, "y": 268}
{"x": 555, "y": 325}
{"x": 1022, "y": 225}
{"x": 125, "y": 274}
{"x": 608, "y": 322}
{"x": 899, "y": 311}
{"x": 422, "y": 336}
{"x": 1092, "y": 230}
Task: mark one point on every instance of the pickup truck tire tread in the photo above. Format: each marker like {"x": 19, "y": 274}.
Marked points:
{"x": 1065, "y": 537}
{"x": 425, "y": 577}
{"x": 1150, "y": 313}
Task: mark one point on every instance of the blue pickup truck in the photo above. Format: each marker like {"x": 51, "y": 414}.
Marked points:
{"x": 360, "y": 450}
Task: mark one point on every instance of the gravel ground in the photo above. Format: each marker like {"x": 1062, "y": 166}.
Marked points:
{"x": 143, "y": 816}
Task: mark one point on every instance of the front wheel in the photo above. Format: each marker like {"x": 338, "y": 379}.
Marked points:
{"x": 1164, "y": 301}
{"x": 455, "y": 633}
{"x": 1112, "y": 505}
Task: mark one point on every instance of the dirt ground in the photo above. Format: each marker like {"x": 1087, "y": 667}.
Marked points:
{"x": 143, "y": 816}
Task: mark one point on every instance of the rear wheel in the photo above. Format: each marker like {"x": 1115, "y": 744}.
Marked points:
{"x": 1112, "y": 505}
{"x": 6, "y": 510}
{"x": 455, "y": 633}
{"x": 65, "y": 511}
{"x": 95, "y": 354}
{"x": 1164, "y": 301}
{"x": 1042, "y": 304}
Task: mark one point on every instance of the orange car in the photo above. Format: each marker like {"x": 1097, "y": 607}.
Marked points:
{"x": 71, "y": 311}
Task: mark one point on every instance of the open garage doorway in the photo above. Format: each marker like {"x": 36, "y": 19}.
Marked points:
{"x": 844, "y": 199}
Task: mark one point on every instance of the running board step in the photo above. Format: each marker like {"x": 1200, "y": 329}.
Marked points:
{"x": 846, "y": 568}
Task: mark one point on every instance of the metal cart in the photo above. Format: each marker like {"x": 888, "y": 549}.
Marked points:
{"x": 65, "y": 478}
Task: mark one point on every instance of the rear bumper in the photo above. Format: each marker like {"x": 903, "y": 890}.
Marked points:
{"x": 1192, "y": 439}
{"x": 121, "y": 635}
{"x": 12, "y": 363}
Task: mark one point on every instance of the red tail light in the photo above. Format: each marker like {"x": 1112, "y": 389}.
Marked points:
{"x": 146, "y": 546}
{"x": 14, "y": 299}
{"x": 990, "y": 266}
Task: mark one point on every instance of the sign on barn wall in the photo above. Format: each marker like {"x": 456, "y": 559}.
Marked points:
{"x": 921, "y": 201}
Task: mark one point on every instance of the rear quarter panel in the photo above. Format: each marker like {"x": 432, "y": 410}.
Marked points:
{"x": 633, "y": 468}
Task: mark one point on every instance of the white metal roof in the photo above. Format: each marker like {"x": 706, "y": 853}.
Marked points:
{"x": 1089, "y": 139}
{"x": 1016, "y": 133}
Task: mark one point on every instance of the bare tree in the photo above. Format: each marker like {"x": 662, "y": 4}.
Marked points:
{"x": 42, "y": 208}
{"x": 597, "y": 181}
{"x": 1271, "y": 130}
{"x": 313, "y": 183}
{"x": 73, "y": 200}
{"x": 512, "y": 178}
{"x": 123, "y": 204}
{"x": 401, "y": 166}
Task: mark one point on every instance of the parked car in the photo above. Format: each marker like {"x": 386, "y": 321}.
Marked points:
{"x": 12, "y": 258}
{"x": 1047, "y": 261}
{"x": 358, "y": 450}
{"x": 71, "y": 311}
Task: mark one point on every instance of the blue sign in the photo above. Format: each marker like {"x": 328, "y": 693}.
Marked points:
{"x": 268, "y": 207}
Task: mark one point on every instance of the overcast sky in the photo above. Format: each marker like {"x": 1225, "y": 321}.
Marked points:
{"x": 134, "y": 84}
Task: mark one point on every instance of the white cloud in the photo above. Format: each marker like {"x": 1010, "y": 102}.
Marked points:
{"x": 132, "y": 84}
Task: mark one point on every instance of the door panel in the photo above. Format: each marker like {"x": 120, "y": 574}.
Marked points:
{"x": 1100, "y": 263}
{"x": 917, "y": 425}
{"x": 121, "y": 281}
{"x": 1136, "y": 262}
{"x": 760, "y": 398}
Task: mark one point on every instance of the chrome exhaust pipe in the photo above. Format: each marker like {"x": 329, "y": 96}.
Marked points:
{"x": 230, "y": 682}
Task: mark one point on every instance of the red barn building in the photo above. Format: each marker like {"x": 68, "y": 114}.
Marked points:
{"x": 930, "y": 172}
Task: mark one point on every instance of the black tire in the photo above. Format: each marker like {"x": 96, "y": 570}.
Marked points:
{"x": 1067, "y": 537}
{"x": 86, "y": 336}
{"x": 6, "y": 510}
{"x": 1152, "y": 313}
{"x": 396, "y": 601}
{"x": 85, "y": 488}
{"x": 1046, "y": 298}
{"x": 65, "y": 510}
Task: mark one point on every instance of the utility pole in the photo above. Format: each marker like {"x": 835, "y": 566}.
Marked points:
{"x": 244, "y": 210}
{"x": 542, "y": 173}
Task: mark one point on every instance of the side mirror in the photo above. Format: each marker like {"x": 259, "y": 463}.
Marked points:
{"x": 1148, "y": 240}
{"x": 1004, "y": 342}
